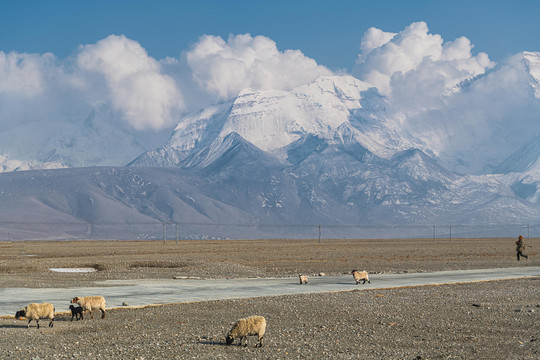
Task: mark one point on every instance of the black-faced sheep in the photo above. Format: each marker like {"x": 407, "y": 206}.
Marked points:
{"x": 76, "y": 312}
{"x": 360, "y": 275}
{"x": 303, "y": 279}
{"x": 91, "y": 303}
{"x": 36, "y": 311}
{"x": 253, "y": 325}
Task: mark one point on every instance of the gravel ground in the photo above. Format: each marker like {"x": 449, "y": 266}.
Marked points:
{"x": 28, "y": 263}
{"x": 491, "y": 320}
{"x": 486, "y": 320}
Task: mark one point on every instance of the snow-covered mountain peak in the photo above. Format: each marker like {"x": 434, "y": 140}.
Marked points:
{"x": 9, "y": 165}
{"x": 202, "y": 126}
{"x": 344, "y": 87}
{"x": 532, "y": 62}
{"x": 273, "y": 119}
{"x": 230, "y": 151}
{"x": 329, "y": 108}
{"x": 347, "y": 134}
{"x": 415, "y": 164}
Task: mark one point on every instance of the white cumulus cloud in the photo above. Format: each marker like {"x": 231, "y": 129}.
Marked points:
{"x": 225, "y": 68}
{"x": 146, "y": 96}
{"x": 105, "y": 104}
{"x": 373, "y": 39}
{"x": 449, "y": 101}
{"x": 21, "y": 74}
{"x": 387, "y": 60}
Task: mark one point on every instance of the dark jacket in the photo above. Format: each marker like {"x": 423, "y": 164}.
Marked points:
{"x": 520, "y": 245}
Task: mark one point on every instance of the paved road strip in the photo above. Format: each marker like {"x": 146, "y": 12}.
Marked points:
{"x": 164, "y": 291}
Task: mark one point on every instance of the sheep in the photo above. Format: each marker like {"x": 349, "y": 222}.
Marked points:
{"x": 360, "y": 275}
{"x": 76, "y": 311}
{"x": 253, "y": 325}
{"x": 36, "y": 311}
{"x": 303, "y": 279}
{"x": 91, "y": 303}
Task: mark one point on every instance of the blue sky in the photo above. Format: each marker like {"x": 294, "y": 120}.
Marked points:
{"x": 327, "y": 31}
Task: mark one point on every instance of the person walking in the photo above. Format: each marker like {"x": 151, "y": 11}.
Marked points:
{"x": 520, "y": 247}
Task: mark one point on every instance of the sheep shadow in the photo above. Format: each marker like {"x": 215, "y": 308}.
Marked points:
{"x": 44, "y": 323}
{"x": 65, "y": 319}
{"x": 215, "y": 343}
{"x": 346, "y": 283}
{"x": 11, "y": 326}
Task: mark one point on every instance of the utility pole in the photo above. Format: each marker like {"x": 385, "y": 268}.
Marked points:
{"x": 164, "y": 231}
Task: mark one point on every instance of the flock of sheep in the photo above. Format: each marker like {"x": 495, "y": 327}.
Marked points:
{"x": 250, "y": 326}
{"x": 357, "y": 275}
{"x": 36, "y": 311}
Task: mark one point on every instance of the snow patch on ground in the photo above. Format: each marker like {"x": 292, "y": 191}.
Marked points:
{"x": 73, "y": 270}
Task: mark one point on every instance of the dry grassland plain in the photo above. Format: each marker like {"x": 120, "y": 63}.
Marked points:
{"x": 487, "y": 320}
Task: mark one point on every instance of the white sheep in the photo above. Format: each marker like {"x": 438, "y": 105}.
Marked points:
{"x": 360, "y": 275}
{"x": 91, "y": 303}
{"x": 36, "y": 311}
{"x": 253, "y": 325}
{"x": 303, "y": 279}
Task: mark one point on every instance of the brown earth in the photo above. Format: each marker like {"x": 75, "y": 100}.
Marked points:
{"x": 488, "y": 320}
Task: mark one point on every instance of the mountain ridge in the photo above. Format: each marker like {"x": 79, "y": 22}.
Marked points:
{"x": 331, "y": 152}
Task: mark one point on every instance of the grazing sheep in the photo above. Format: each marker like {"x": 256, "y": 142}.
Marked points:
{"x": 76, "y": 311}
{"x": 36, "y": 311}
{"x": 360, "y": 275}
{"x": 253, "y": 325}
{"x": 91, "y": 303}
{"x": 303, "y": 279}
